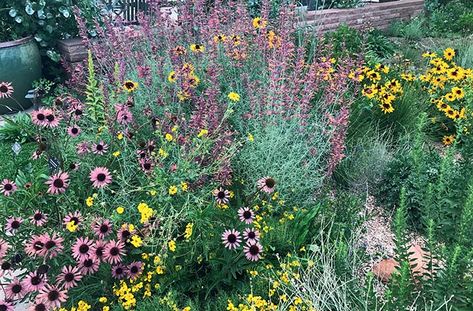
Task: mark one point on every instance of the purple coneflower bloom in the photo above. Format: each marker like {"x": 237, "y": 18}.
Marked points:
{"x": 89, "y": 265}
{"x": 38, "y": 218}
{"x": 58, "y": 183}
{"x": 119, "y": 271}
{"x": 81, "y": 249}
{"x": 100, "y": 148}
{"x": 7, "y": 187}
{"x": 146, "y": 165}
{"x": 52, "y": 120}
{"x": 246, "y": 215}
{"x": 15, "y": 290}
{"x": 5, "y": 267}
{"x": 102, "y": 228}
{"x": 52, "y": 245}
{"x": 100, "y": 177}
{"x": 39, "y": 306}
{"x": 13, "y": 224}
{"x": 113, "y": 252}
{"x": 82, "y": 148}
{"x": 69, "y": 277}
{"x": 75, "y": 217}
{"x": 38, "y": 117}
{"x": 135, "y": 269}
{"x": 231, "y": 239}
{"x": 73, "y": 131}
{"x": 6, "y": 306}
{"x": 34, "y": 246}
{"x": 251, "y": 235}
{"x": 52, "y": 296}
{"x": 4, "y": 247}
{"x": 221, "y": 195}
{"x": 34, "y": 282}
{"x": 253, "y": 251}
{"x": 124, "y": 117}
{"x": 76, "y": 110}
{"x": 37, "y": 154}
{"x": 74, "y": 166}
{"x": 98, "y": 250}
{"x": 266, "y": 184}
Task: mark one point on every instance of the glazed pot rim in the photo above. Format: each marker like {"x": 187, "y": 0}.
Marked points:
{"x": 13, "y": 43}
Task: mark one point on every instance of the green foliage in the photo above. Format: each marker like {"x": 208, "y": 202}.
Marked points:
{"x": 454, "y": 17}
{"x": 94, "y": 100}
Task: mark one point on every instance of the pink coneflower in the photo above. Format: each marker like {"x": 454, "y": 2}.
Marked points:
{"x": 73, "y": 131}
{"x": 74, "y": 166}
{"x": 52, "y": 296}
{"x": 246, "y": 215}
{"x": 221, "y": 195}
{"x": 6, "y": 90}
{"x": 75, "y": 217}
{"x": 231, "y": 239}
{"x": 135, "y": 269}
{"x": 146, "y": 165}
{"x": 100, "y": 177}
{"x": 253, "y": 251}
{"x": 39, "y": 306}
{"x": 38, "y": 218}
{"x": 266, "y": 184}
{"x": 52, "y": 120}
{"x": 119, "y": 271}
{"x": 7, "y": 187}
{"x": 100, "y": 148}
{"x": 34, "y": 246}
{"x": 4, "y": 247}
{"x": 98, "y": 250}
{"x": 102, "y": 228}
{"x": 13, "y": 224}
{"x": 69, "y": 277}
{"x": 58, "y": 183}
{"x": 36, "y": 154}
{"x": 52, "y": 245}
{"x": 35, "y": 282}
{"x": 81, "y": 249}
{"x": 89, "y": 265}
{"x": 38, "y": 117}
{"x": 113, "y": 252}
{"x": 15, "y": 290}
{"x": 6, "y": 306}
{"x": 76, "y": 110}
{"x": 124, "y": 117}
{"x": 5, "y": 267}
{"x": 251, "y": 235}
{"x": 82, "y": 148}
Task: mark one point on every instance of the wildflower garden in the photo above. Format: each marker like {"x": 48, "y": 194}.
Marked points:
{"x": 230, "y": 158}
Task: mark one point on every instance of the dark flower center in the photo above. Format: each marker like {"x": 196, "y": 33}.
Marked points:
{"x": 104, "y": 228}
{"x": 221, "y": 195}
{"x": 38, "y": 216}
{"x": 114, "y": 251}
{"x": 129, "y": 85}
{"x": 74, "y": 130}
{"x": 101, "y": 177}
{"x": 88, "y": 263}
{"x": 15, "y": 224}
{"x": 232, "y": 238}
{"x": 72, "y": 166}
{"x": 134, "y": 269}
{"x": 99, "y": 147}
{"x": 99, "y": 252}
{"x": 83, "y": 249}
{"x": 254, "y": 250}
{"x": 247, "y": 214}
{"x": 53, "y": 295}
{"x": 40, "y": 117}
{"x": 3, "y": 88}
{"x": 251, "y": 235}
{"x": 16, "y": 288}
{"x": 75, "y": 220}
{"x": 8, "y": 187}
{"x": 43, "y": 269}
{"x": 78, "y": 112}
{"x": 58, "y": 183}
{"x": 270, "y": 183}
{"x": 119, "y": 270}
{"x": 125, "y": 234}
{"x": 35, "y": 280}
{"x": 69, "y": 277}
{"x": 40, "y": 307}
{"x": 147, "y": 166}
{"x": 50, "y": 244}
{"x": 386, "y": 105}
{"x": 50, "y": 117}
{"x": 3, "y": 307}
{"x": 6, "y": 265}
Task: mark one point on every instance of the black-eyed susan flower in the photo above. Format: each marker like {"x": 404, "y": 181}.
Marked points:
{"x": 429, "y": 55}
{"x": 220, "y": 38}
{"x": 450, "y": 97}
{"x": 373, "y": 75}
{"x": 259, "y": 23}
{"x": 369, "y": 91}
{"x": 448, "y": 140}
{"x": 382, "y": 68}
{"x": 386, "y": 107}
{"x": 130, "y": 86}
{"x": 236, "y": 40}
{"x": 197, "y": 48}
{"x": 450, "y": 113}
{"x": 172, "y": 77}
{"x": 449, "y": 54}
{"x": 442, "y": 106}
{"x": 234, "y": 97}
{"x": 458, "y": 92}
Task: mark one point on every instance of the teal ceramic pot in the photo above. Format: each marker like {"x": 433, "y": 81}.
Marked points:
{"x": 20, "y": 64}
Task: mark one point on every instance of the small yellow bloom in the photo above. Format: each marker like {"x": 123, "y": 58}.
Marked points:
{"x": 189, "y": 230}
{"x": 130, "y": 86}
{"x": 172, "y": 190}
{"x": 89, "y": 201}
{"x": 116, "y": 154}
{"x": 136, "y": 241}
{"x": 259, "y": 23}
{"x": 71, "y": 226}
{"x": 220, "y": 38}
{"x": 449, "y": 54}
{"x": 168, "y": 137}
{"x": 120, "y": 136}
{"x": 152, "y": 193}
{"x": 184, "y": 186}
{"x": 187, "y": 309}
{"x": 197, "y": 48}
{"x": 103, "y": 299}
{"x": 203, "y": 132}
{"x": 106, "y": 308}
{"x": 234, "y": 97}
{"x": 448, "y": 140}
{"x": 250, "y": 137}
{"x": 172, "y": 245}
{"x": 120, "y": 210}
{"x": 172, "y": 77}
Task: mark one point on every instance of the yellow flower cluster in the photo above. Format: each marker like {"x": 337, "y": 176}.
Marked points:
{"x": 145, "y": 211}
